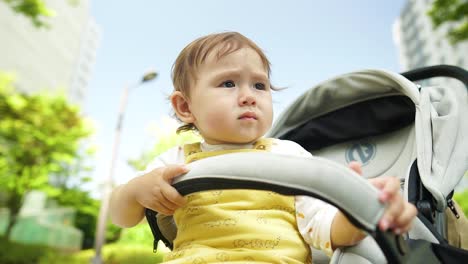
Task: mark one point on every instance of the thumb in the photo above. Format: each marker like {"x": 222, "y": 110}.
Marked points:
{"x": 172, "y": 171}
{"x": 356, "y": 167}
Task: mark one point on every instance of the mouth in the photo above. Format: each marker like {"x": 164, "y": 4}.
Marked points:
{"x": 248, "y": 116}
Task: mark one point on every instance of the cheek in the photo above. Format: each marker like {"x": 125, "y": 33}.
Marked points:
{"x": 268, "y": 110}
{"x": 215, "y": 117}
{"x": 269, "y": 120}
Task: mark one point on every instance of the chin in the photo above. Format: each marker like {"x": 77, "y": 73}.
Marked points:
{"x": 247, "y": 140}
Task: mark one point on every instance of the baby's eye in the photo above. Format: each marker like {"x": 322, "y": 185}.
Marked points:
{"x": 260, "y": 86}
{"x": 228, "y": 84}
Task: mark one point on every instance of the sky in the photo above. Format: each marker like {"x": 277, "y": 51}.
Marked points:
{"x": 307, "y": 42}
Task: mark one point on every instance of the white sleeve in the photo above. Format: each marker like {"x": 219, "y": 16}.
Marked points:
{"x": 289, "y": 148}
{"x": 314, "y": 218}
{"x": 172, "y": 156}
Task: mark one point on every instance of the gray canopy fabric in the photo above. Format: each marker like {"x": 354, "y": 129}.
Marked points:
{"x": 440, "y": 130}
{"x": 441, "y": 140}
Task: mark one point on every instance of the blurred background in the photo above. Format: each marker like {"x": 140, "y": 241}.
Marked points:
{"x": 84, "y": 87}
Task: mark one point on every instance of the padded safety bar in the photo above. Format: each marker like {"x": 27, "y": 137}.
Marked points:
{"x": 316, "y": 177}
{"x": 438, "y": 71}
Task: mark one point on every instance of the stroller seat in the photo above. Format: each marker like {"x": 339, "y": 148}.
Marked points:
{"x": 387, "y": 154}
{"x": 393, "y": 128}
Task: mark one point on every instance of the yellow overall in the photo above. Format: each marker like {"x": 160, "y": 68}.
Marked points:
{"x": 244, "y": 226}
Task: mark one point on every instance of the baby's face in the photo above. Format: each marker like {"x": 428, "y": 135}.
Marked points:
{"x": 231, "y": 100}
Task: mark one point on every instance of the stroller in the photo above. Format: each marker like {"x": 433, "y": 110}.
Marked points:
{"x": 385, "y": 121}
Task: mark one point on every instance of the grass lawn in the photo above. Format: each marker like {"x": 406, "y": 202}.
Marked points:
{"x": 118, "y": 253}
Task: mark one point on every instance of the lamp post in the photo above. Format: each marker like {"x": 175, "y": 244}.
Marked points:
{"x": 104, "y": 209}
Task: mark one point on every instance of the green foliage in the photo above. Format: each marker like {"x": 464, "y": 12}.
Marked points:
{"x": 138, "y": 235}
{"x": 455, "y": 11}
{"x": 113, "y": 232}
{"x": 35, "y": 10}
{"x": 41, "y": 144}
{"x": 112, "y": 253}
{"x": 15, "y": 253}
{"x": 87, "y": 210}
{"x": 52, "y": 257}
{"x": 165, "y": 141}
{"x": 127, "y": 254}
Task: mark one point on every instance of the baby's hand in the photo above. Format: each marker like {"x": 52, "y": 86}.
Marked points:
{"x": 154, "y": 191}
{"x": 399, "y": 214}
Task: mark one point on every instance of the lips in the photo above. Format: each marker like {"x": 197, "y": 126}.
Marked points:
{"x": 248, "y": 116}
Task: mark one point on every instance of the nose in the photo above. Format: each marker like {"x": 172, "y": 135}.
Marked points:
{"x": 246, "y": 97}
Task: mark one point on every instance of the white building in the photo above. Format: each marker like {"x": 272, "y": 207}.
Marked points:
{"x": 56, "y": 58}
{"x": 420, "y": 45}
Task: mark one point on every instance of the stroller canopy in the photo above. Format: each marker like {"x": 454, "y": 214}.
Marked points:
{"x": 373, "y": 102}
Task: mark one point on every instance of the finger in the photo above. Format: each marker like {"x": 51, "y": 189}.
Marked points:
{"x": 406, "y": 228}
{"x": 384, "y": 224}
{"x": 172, "y": 171}
{"x": 378, "y": 182}
{"x": 388, "y": 186}
{"x": 161, "y": 198}
{"x": 155, "y": 205}
{"x": 392, "y": 185}
{"x": 356, "y": 167}
{"x": 160, "y": 208}
{"x": 171, "y": 194}
{"x": 404, "y": 220}
{"x": 402, "y": 229}
{"x": 394, "y": 209}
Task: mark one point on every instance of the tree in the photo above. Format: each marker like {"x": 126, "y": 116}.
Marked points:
{"x": 87, "y": 209}
{"x": 166, "y": 138}
{"x": 455, "y": 11}
{"x": 41, "y": 140}
{"x": 35, "y": 10}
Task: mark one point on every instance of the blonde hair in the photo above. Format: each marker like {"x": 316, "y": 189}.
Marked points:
{"x": 185, "y": 68}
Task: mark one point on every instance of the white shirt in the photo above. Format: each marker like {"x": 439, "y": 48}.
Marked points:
{"x": 313, "y": 216}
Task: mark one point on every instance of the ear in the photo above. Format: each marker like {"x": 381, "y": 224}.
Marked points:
{"x": 181, "y": 107}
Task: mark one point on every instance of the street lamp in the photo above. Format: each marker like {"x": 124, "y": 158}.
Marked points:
{"x": 104, "y": 209}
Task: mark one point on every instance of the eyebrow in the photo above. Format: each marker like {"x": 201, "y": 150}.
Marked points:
{"x": 236, "y": 73}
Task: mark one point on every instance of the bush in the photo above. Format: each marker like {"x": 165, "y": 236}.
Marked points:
{"x": 130, "y": 254}
{"x": 112, "y": 254}
{"x": 138, "y": 235}
{"x": 462, "y": 199}
{"x": 61, "y": 258}
{"x": 16, "y": 253}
